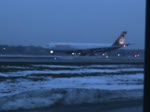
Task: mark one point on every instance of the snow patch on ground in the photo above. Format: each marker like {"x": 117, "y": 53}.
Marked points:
{"x": 80, "y": 71}
{"x": 109, "y": 82}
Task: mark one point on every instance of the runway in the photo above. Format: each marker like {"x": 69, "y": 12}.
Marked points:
{"x": 4, "y": 59}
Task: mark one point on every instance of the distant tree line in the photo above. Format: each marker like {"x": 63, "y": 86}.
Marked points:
{"x": 24, "y": 50}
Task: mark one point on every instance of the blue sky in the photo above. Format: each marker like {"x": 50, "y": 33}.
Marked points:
{"x": 38, "y": 22}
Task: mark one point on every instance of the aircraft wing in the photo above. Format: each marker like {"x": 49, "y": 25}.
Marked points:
{"x": 91, "y": 51}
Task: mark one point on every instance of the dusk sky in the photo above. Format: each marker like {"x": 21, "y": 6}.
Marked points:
{"x": 39, "y": 22}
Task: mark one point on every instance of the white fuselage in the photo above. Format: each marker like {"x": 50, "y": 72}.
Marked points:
{"x": 76, "y": 46}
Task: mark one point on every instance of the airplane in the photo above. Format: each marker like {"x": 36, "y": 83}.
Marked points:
{"x": 86, "y": 49}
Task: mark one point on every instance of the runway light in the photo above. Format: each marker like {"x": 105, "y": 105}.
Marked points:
{"x": 136, "y": 55}
{"x": 73, "y": 53}
{"x": 4, "y": 48}
{"x": 106, "y": 56}
{"x": 118, "y": 54}
{"x": 103, "y": 54}
{"x": 124, "y": 45}
{"x": 51, "y": 52}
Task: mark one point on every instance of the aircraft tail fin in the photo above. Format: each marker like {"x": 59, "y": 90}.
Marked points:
{"x": 120, "y": 40}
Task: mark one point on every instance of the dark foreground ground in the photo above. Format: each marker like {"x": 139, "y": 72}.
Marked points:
{"x": 127, "y": 106}
{"x": 92, "y": 109}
